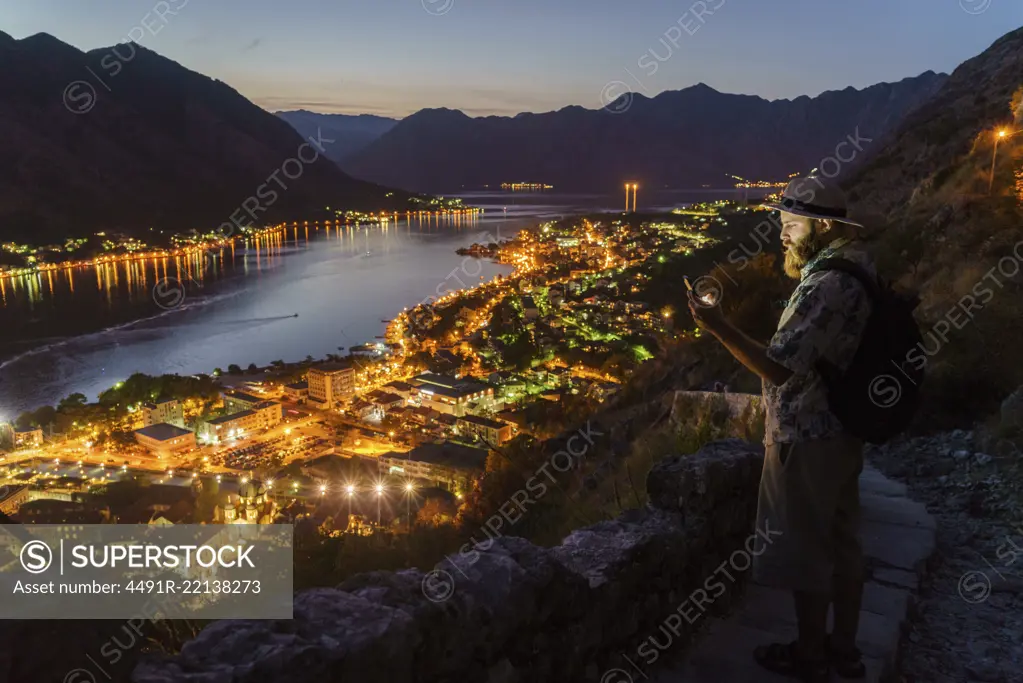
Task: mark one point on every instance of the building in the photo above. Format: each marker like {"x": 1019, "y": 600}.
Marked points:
{"x": 252, "y": 505}
{"x": 364, "y": 410}
{"x": 239, "y": 401}
{"x": 165, "y": 439}
{"x": 330, "y": 383}
{"x": 12, "y": 498}
{"x": 403, "y": 389}
{"x": 167, "y": 411}
{"x": 445, "y": 464}
{"x": 450, "y": 395}
{"x": 28, "y": 437}
{"x": 491, "y": 432}
{"x": 529, "y": 309}
{"x": 263, "y": 415}
{"x": 297, "y": 392}
{"x": 386, "y": 400}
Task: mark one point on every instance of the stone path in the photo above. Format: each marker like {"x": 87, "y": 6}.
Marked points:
{"x": 898, "y": 538}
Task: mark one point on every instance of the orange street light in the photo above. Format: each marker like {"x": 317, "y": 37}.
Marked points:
{"x": 1001, "y": 134}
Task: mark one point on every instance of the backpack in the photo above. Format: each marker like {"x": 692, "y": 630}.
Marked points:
{"x": 877, "y": 396}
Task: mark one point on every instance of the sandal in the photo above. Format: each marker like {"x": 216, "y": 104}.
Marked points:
{"x": 783, "y": 658}
{"x": 846, "y": 664}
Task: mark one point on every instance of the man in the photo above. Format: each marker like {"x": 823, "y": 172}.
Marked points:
{"x": 809, "y": 489}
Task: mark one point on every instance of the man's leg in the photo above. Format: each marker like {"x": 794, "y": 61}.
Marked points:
{"x": 847, "y": 590}
{"x": 798, "y": 560}
{"x": 812, "y": 615}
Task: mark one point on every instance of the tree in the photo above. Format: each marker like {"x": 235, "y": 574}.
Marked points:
{"x": 75, "y": 400}
{"x": 436, "y": 511}
{"x": 253, "y": 367}
{"x": 233, "y": 369}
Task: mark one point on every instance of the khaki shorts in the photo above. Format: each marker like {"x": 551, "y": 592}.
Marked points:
{"x": 809, "y": 492}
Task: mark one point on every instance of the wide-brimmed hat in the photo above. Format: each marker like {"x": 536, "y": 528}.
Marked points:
{"x": 814, "y": 197}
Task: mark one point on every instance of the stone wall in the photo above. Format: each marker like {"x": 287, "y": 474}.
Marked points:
{"x": 512, "y": 611}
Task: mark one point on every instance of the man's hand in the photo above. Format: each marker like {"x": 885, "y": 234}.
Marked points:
{"x": 706, "y": 316}
{"x": 750, "y": 353}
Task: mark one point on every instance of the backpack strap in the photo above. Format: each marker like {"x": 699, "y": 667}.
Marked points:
{"x": 857, "y": 271}
{"x": 828, "y": 370}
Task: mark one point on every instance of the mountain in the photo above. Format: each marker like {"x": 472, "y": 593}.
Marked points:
{"x": 945, "y": 235}
{"x": 915, "y": 167}
{"x": 350, "y": 134}
{"x": 683, "y": 138}
{"x": 123, "y": 139}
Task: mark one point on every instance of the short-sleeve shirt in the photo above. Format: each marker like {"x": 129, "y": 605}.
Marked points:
{"x": 825, "y": 318}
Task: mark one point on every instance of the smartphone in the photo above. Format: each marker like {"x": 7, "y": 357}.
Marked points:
{"x": 689, "y": 285}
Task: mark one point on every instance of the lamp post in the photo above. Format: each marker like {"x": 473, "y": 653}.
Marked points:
{"x": 409, "y": 490}
{"x": 350, "y": 490}
{"x": 994, "y": 157}
{"x": 380, "y": 495}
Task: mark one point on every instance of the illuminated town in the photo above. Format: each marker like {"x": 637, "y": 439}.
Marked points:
{"x": 379, "y": 429}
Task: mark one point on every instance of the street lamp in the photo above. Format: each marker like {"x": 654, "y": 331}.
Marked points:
{"x": 380, "y": 495}
{"x": 409, "y": 490}
{"x": 350, "y": 491}
{"x": 994, "y": 157}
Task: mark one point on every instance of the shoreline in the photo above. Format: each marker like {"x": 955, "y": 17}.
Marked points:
{"x": 46, "y": 344}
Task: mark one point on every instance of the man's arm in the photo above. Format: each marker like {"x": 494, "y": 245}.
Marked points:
{"x": 746, "y": 350}
{"x": 751, "y": 353}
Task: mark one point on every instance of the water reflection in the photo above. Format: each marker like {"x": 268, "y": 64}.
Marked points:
{"x": 129, "y": 279}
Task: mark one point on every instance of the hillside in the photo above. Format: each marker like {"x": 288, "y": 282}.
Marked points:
{"x": 350, "y": 134}
{"x": 943, "y": 235}
{"x": 138, "y": 141}
{"x": 684, "y": 138}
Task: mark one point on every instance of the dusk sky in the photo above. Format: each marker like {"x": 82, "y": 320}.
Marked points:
{"x": 393, "y": 57}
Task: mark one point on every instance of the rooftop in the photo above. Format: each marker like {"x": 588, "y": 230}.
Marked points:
{"x": 445, "y": 453}
{"x": 224, "y": 419}
{"x": 482, "y": 421}
{"x": 162, "y": 431}
{"x": 330, "y": 368}
{"x": 242, "y": 396}
{"x": 26, "y": 430}
{"x": 298, "y": 386}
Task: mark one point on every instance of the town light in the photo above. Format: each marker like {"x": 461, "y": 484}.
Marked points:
{"x": 409, "y": 487}
{"x": 380, "y": 489}
{"x": 350, "y": 490}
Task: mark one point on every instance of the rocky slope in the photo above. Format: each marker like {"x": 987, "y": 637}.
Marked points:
{"x": 944, "y": 235}
{"x": 123, "y": 139}
{"x": 969, "y": 623}
{"x": 683, "y": 138}
{"x": 917, "y": 163}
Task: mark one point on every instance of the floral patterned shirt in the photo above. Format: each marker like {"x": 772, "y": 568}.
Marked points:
{"x": 825, "y": 318}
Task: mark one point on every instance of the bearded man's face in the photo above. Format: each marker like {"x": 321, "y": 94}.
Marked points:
{"x": 801, "y": 238}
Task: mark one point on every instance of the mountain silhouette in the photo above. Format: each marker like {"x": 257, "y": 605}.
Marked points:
{"x": 678, "y": 139}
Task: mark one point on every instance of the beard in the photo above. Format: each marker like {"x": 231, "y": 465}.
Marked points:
{"x": 800, "y": 253}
